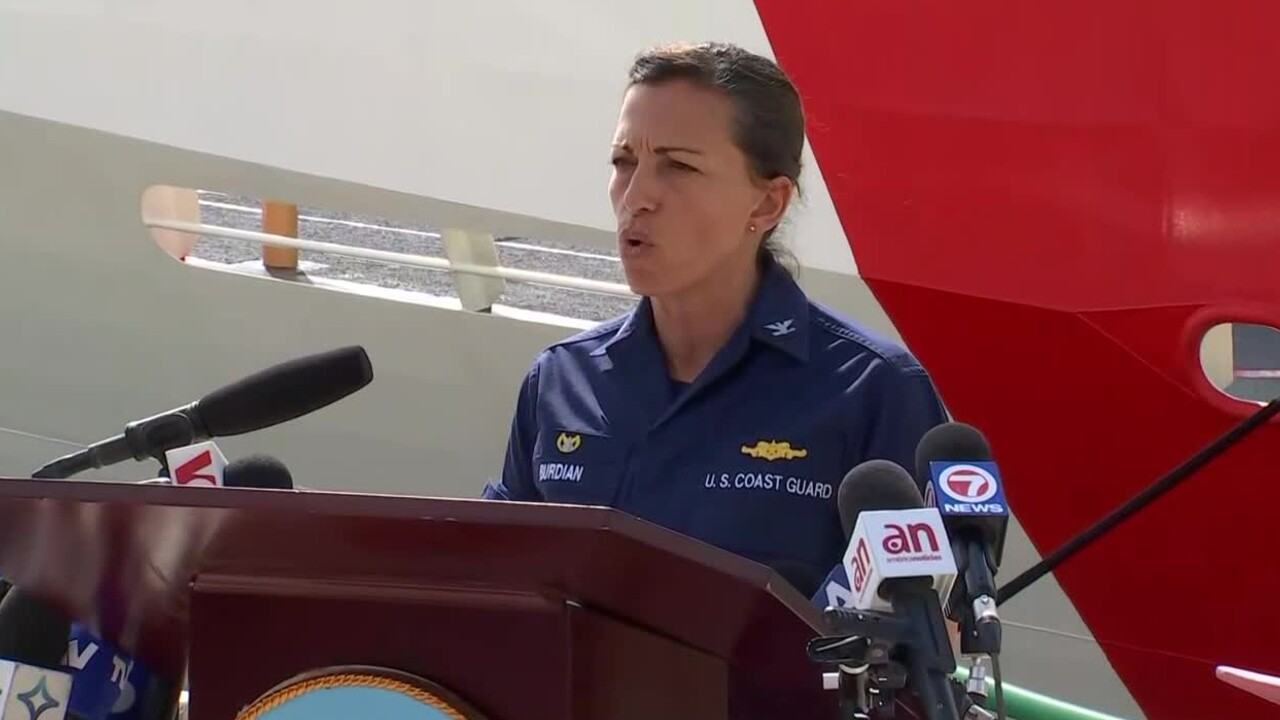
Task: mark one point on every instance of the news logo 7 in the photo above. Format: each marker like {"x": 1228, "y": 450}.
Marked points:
{"x": 967, "y": 488}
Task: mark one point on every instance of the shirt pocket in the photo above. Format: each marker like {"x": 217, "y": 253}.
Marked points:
{"x": 578, "y": 468}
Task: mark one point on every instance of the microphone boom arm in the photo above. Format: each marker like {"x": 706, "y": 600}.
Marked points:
{"x": 268, "y": 397}
{"x": 141, "y": 439}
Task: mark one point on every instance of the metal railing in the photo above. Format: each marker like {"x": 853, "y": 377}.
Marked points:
{"x": 396, "y": 258}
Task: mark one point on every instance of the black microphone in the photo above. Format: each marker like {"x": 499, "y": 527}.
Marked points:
{"x": 834, "y": 588}
{"x": 874, "y": 485}
{"x": 31, "y": 630}
{"x": 953, "y": 461}
{"x": 907, "y": 644}
{"x": 257, "y": 471}
{"x": 33, "y": 637}
{"x": 253, "y": 471}
{"x": 269, "y": 397}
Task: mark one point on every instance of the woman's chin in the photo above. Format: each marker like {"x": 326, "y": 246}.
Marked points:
{"x": 645, "y": 280}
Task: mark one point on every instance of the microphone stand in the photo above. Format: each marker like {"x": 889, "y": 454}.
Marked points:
{"x": 972, "y": 605}
{"x": 906, "y": 647}
{"x": 164, "y": 471}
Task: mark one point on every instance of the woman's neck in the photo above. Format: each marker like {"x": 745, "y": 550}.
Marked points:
{"x": 694, "y": 324}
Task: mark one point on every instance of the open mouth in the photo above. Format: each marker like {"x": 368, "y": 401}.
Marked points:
{"x": 633, "y": 242}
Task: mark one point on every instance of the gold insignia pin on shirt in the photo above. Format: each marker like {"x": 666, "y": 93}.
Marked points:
{"x": 773, "y": 450}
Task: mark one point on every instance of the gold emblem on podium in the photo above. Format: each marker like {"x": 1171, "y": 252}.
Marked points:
{"x": 358, "y": 691}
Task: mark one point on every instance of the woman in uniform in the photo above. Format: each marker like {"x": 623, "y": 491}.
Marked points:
{"x": 726, "y": 406}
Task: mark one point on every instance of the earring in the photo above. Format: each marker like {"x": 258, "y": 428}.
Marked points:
{"x": 751, "y": 227}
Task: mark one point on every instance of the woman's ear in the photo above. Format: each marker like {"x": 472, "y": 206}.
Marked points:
{"x": 773, "y": 203}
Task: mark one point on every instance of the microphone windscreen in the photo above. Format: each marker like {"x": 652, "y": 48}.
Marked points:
{"x": 257, "y": 471}
{"x": 875, "y": 485}
{"x": 283, "y": 392}
{"x": 949, "y": 441}
{"x": 32, "y": 631}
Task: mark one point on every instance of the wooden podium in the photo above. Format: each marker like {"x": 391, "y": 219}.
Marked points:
{"x": 523, "y": 611}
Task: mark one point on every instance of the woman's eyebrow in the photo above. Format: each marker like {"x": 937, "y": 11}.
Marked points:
{"x": 665, "y": 149}
{"x": 662, "y": 149}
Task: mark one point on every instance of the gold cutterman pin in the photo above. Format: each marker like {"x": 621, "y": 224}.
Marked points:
{"x": 773, "y": 450}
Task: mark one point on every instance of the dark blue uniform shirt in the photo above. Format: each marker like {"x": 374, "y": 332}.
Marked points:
{"x": 749, "y": 456}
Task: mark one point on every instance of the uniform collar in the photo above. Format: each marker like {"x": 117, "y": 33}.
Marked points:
{"x": 778, "y": 316}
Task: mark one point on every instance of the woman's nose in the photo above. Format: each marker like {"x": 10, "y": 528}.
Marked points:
{"x": 642, "y": 191}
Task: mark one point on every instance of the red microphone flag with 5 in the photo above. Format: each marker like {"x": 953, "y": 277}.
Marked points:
{"x": 201, "y": 464}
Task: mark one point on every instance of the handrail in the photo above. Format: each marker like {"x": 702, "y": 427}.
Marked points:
{"x": 261, "y": 238}
{"x": 1024, "y": 704}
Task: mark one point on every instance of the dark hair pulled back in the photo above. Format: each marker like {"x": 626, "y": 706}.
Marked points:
{"x": 769, "y": 127}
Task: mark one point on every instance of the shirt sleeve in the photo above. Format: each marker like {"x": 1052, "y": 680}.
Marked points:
{"x": 905, "y": 407}
{"x": 899, "y": 405}
{"x": 516, "y": 482}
